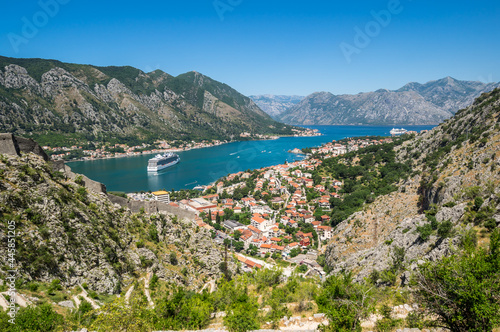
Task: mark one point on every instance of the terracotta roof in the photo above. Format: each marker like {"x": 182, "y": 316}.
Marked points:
{"x": 258, "y": 220}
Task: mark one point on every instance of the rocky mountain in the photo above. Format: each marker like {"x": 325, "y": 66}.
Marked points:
{"x": 413, "y": 104}
{"x": 276, "y": 105}
{"x": 46, "y": 98}
{"x": 451, "y": 199}
{"x": 66, "y": 227}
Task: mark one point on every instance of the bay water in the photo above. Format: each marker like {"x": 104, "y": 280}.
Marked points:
{"x": 205, "y": 166}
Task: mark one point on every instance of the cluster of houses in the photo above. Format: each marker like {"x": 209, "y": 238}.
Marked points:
{"x": 269, "y": 219}
{"x": 334, "y": 149}
{"x": 58, "y": 153}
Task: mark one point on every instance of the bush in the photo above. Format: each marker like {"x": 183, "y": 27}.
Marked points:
{"x": 154, "y": 282}
{"x": 468, "y": 240}
{"x": 444, "y": 229}
{"x": 462, "y": 290}
{"x": 301, "y": 268}
{"x": 478, "y": 202}
{"x": 242, "y": 315}
{"x": 41, "y": 318}
{"x": 173, "y": 258}
{"x": 55, "y": 285}
{"x": 344, "y": 302}
{"x": 490, "y": 224}
{"x": 424, "y": 231}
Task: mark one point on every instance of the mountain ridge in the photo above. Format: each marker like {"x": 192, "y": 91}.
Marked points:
{"x": 42, "y": 98}
{"x": 413, "y": 104}
{"x": 275, "y": 105}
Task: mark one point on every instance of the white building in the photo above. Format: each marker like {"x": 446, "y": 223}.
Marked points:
{"x": 162, "y": 196}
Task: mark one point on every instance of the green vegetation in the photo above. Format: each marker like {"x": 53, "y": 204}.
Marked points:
{"x": 463, "y": 290}
{"x": 345, "y": 303}
{"x": 376, "y": 173}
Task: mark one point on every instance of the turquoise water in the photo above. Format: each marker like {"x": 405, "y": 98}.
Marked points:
{"x": 204, "y": 166}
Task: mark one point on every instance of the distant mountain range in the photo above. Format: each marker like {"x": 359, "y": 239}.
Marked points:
{"x": 276, "y": 105}
{"x": 51, "y": 100}
{"x": 413, "y": 104}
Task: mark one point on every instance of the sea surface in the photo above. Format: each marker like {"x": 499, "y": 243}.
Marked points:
{"x": 205, "y": 166}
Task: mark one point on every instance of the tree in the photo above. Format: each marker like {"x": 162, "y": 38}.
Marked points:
{"x": 173, "y": 258}
{"x": 237, "y": 234}
{"x": 344, "y": 302}
{"x": 41, "y": 318}
{"x": 242, "y": 314}
{"x": 463, "y": 291}
{"x": 117, "y": 316}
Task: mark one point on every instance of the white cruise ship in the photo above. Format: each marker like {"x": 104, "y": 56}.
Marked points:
{"x": 162, "y": 161}
{"x": 397, "y": 132}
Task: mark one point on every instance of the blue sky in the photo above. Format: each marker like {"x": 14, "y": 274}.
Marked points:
{"x": 259, "y": 47}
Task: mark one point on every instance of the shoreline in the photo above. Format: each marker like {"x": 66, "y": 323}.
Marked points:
{"x": 183, "y": 150}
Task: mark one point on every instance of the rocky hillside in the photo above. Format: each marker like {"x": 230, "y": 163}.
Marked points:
{"x": 451, "y": 199}
{"x": 65, "y": 231}
{"x": 46, "y": 99}
{"x": 276, "y": 105}
{"x": 413, "y": 104}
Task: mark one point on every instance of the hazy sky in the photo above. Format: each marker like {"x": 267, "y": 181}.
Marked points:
{"x": 267, "y": 47}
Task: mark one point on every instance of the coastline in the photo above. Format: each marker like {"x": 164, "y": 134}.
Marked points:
{"x": 183, "y": 150}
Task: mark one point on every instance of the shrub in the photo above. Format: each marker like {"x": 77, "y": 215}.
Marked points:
{"x": 154, "y": 282}
{"x": 424, "y": 231}
{"x": 468, "y": 240}
{"x": 490, "y": 224}
{"x": 41, "y": 318}
{"x": 444, "y": 229}
{"x": 344, "y": 302}
{"x": 462, "y": 290}
{"x": 478, "y": 202}
{"x": 173, "y": 258}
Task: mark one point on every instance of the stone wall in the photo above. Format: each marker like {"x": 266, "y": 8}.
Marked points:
{"x": 151, "y": 207}
{"x": 88, "y": 183}
{"x": 14, "y": 145}
{"x": 7, "y": 145}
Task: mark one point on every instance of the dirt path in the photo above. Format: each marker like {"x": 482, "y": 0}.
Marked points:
{"x": 85, "y": 295}
{"x": 20, "y": 300}
{"x": 146, "y": 289}
{"x": 129, "y": 292}
{"x": 3, "y": 303}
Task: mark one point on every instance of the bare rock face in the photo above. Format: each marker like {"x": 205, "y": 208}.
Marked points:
{"x": 276, "y": 105}
{"x": 57, "y": 79}
{"x": 16, "y": 77}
